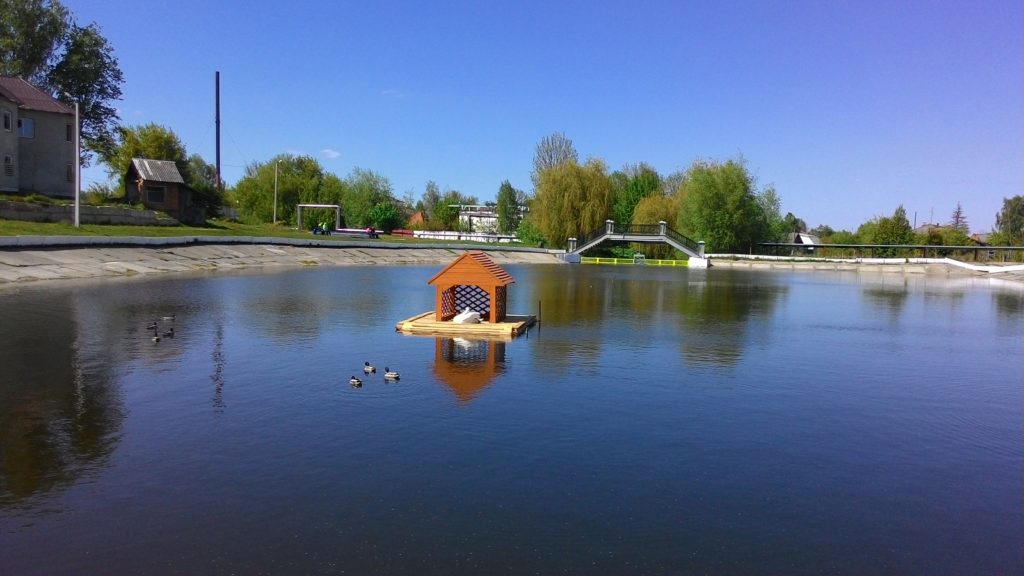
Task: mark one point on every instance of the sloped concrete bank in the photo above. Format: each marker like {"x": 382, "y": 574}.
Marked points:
{"x": 932, "y": 266}
{"x": 26, "y": 259}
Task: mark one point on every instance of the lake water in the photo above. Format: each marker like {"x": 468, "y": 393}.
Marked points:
{"x": 657, "y": 421}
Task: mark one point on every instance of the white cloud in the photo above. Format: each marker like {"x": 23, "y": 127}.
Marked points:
{"x": 330, "y": 153}
{"x": 392, "y": 93}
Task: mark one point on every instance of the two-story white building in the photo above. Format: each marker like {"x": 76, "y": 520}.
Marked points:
{"x": 37, "y": 141}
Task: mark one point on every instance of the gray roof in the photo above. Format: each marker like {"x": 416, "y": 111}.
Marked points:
{"x": 29, "y": 97}
{"x": 157, "y": 170}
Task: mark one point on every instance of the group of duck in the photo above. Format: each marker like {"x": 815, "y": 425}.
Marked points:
{"x": 389, "y": 375}
{"x": 155, "y": 327}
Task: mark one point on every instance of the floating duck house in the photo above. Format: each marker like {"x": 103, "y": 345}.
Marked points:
{"x": 475, "y": 282}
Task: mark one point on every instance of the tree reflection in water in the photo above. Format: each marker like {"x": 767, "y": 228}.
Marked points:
{"x": 62, "y": 415}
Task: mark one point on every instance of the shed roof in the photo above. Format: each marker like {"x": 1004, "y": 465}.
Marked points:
{"x": 157, "y": 170}
{"x": 29, "y": 97}
{"x": 473, "y": 267}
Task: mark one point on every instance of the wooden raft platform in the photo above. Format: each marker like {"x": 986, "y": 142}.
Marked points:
{"x": 425, "y": 324}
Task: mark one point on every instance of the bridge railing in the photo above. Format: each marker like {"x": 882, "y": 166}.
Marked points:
{"x": 638, "y": 229}
{"x": 592, "y": 236}
{"x": 683, "y": 240}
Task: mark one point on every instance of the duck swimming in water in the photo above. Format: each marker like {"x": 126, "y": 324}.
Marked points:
{"x": 391, "y": 374}
{"x": 169, "y": 333}
{"x": 355, "y": 382}
{"x": 367, "y": 369}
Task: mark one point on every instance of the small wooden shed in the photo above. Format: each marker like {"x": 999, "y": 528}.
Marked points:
{"x": 472, "y": 281}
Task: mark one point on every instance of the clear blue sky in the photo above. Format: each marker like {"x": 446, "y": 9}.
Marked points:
{"x": 848, "y": 108}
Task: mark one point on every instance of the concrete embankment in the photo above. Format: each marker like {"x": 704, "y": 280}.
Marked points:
{"x": 24, "y": 259}
{"x": 930, "y": 266}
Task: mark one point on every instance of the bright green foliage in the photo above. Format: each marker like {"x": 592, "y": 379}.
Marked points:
{"x": 364, "y": 190}
{"x": 301, "y": 180}
{"x": 203, "y": 179}
{"x": 894, "y": 230}
{"x": 631, "y": 186}
{"x": 776, "y": 227}
{"x": 385, "y": 216}
{"x": 446, "y": 211}
{"x": 507, "y": 208}
{"x": 571, "y": 200}
{"x": 1010, "y": 222}
{"x": 41, "y": 42}
{"x": 151, "y": 141}
{"x": 527, "y": 233}
{"x": 719, "y": 204}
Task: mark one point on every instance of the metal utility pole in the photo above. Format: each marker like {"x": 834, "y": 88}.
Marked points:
{"x": 216, "y": 89}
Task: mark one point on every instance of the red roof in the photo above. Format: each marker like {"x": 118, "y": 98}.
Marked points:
{"x": 29, "y": 97}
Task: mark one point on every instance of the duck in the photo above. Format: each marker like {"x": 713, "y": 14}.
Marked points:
{"x": 355, "y": 382}
{"x": 391, "y": 374}
{"x": 151, "y": 326}
{"x": 168, "y": 318}
{"x": 367, "y": 369}
{"x": 156, "y": 337}
{"x": 169, "y": 333}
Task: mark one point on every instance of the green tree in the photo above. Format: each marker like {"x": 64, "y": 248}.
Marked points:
{"x": 301, "y": 180}
{"x": 385, "y": 216}
{"x": 771, "y": 207}
{"x": 718, "y": 203}
{"x": 364, "y": 190}
{"x": 630, "y": 186}
{"x": 507, "y": 208}
{"x": 892, "y": 230}
{"x": 446, "y": 211}
{"x": 1010, "y": 222}
{"x": 571, "y": 200}
{"x": 429, "y": 200}
{"x": 959, "y": 221}
{"x": 151, "y": 141}
{"x": 41, "y": 42}
{"x": 203, "y": 179}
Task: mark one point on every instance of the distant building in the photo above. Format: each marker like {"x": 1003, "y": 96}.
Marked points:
{"x": 158, "y": 185}
{"x": 37, "y": 141}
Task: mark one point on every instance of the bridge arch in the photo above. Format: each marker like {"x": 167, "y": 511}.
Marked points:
{"x": 646, "y": 233}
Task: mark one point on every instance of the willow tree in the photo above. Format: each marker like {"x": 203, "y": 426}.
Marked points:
{"x": 651, "y": 210}
{"x": 571, "y": 200}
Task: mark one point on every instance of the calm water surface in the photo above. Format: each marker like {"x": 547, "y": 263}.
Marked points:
{"x": 658, "y": 422}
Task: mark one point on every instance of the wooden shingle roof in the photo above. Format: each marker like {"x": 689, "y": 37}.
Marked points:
{"x": 474, "y": 268}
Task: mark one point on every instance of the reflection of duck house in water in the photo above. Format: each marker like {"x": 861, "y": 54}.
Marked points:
{"x": 473, "y": 281}
{"x": 467, "y": 366}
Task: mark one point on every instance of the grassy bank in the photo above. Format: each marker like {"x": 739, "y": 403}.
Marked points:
{"x": 213, "y": 228}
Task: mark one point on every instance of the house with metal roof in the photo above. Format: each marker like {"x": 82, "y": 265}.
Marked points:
{"x": 37, "y": 148}
{"x": 158, "y": 185}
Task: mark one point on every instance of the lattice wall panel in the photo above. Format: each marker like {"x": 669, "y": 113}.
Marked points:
{"x": 448, "y": 304}
{"x": 474, "y": 298}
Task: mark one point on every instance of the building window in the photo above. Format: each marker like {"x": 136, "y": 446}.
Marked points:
{"x": 8, "y": 165}
{"x": 69, "y": 133}
{"x": 7, "y": 120}
{"x": 71, "y": 173}
{"x": 155, "y": 194}
{"x": 26, "y": 128}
